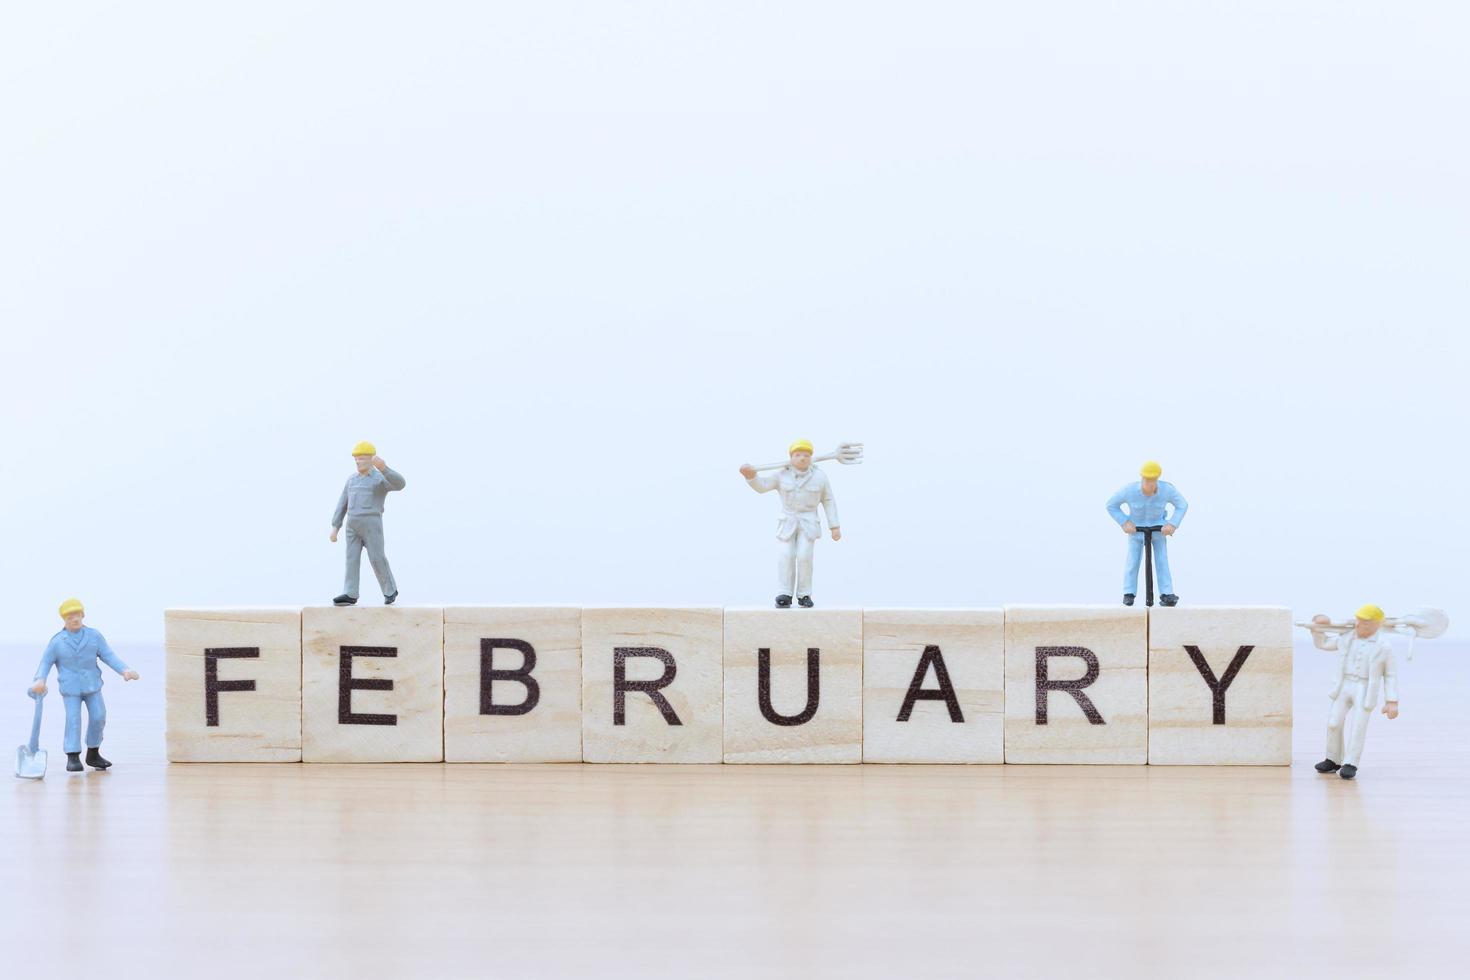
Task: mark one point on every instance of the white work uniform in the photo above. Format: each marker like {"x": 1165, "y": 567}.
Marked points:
{"x": 799, "y": 527}
{"x": 1365, "y": 669}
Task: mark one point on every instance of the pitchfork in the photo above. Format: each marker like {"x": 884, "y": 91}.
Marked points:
{"x": 847, "y": 453}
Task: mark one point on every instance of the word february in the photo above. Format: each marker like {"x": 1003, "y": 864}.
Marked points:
{"x": 1023, "y": 684}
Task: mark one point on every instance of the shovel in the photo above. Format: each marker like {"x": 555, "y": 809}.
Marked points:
{"x": 30, "y": 760}
{"x": 847, "y": 453}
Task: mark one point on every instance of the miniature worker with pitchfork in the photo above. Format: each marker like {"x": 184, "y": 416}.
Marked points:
{"x": 802, "y": 487}
{"x": 1365, "y": 669}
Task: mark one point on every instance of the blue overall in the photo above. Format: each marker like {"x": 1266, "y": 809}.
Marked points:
{"x": 75, "y": 657}
{"x": 1147, "y": 511}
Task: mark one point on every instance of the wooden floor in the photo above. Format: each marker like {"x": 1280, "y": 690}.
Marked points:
{"x": 709, "y": 871}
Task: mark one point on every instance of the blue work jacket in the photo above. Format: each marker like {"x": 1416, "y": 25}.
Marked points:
{"x": 1146, "y": 511}
{"x": 75, "y": 657}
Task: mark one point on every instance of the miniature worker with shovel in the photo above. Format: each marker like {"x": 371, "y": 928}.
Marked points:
{"x": 361, "y": 506}
{"x": 1147, "y": 522}
{"x": 802, "y": 487}
{"x": 74, "y": 653}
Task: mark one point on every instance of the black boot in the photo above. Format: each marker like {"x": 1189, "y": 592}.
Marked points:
{"x": 1169, "y": 600}
{"x": 1327, "y": 765}
{"x": 73, "y": 762}
{"x": 1348, "y": 771}
{"x": 783, "y": 602}
{"x": 95, "y": 760}
{"x": 347, "y": 600}
{"x": 805, "y": 602}
{"x": 388, "y": 600}
{"x": 1127, "y": 598}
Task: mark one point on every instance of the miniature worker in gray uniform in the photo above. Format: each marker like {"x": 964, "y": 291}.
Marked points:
{"x": 361, "y": 505}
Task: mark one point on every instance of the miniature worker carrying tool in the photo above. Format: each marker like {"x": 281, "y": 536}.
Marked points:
{"x": 1147, "y": 522}
{"x": 361, "y": 505}
{"x": 74, "y": 653}
{"x": 802, "y": 486}
{"x": 1365, "y": 670}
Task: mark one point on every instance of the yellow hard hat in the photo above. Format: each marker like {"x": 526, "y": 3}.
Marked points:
{"x": 799, "y": 446}
{"x": 1369, "y": 611}
{"x": 70, "y": 606}
{"x": 1151, "y": 470}
{"x": 364, "y": 449}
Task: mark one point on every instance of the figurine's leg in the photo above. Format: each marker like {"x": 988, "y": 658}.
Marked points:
{"x": 72, "y": 741}
{"x": 1335, "y": 718}
{"x": 372, "y": 533}
{"x": 1135, "y": 558}
{"x": 786, "y": 566}
{"x": 1360, "y": 719}
{"x": 96, "y": 718}
{"x": 354, "y": 562}
{"x": 804, "y": 548}
{"x": 1161, "y": 564}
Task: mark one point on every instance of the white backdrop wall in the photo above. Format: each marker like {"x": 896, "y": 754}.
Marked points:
{"x": 570, "y": 264}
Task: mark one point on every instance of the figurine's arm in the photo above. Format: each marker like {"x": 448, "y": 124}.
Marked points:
{"x": 1321, "y": 640}
{"x": 760, "y": 484}
{"x": 1390, "y": 686}
{"x": 340, "y": 514}
{"x": 112, "y": 660}
{"x": 394, "y": 478}
{"x": 48, "y": 660}
{"x": 829, "y": 507}
{"x": 1115, "y": 508}
{"x": 1180, "y": 505}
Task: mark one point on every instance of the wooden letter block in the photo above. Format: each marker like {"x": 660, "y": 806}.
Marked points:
{"x": 933, "y": 685}
{"x": 233, "y": 685}
{"x": 1219, "y": 686}
{"x": 372, "y": 684}
{"x": 651, "y": 685}
{"x": 793, "y": 685}
{"x": 1076, "y": 684}
{"x": 512, "y": 684}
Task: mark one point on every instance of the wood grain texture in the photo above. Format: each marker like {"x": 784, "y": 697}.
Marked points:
{"x": 692, "y": 638}
{"x": 1256, "y": 706}
{"x": 263, "y": 725}
{"x": 1118, "y": 637}
{"x": 834, "y": 732}
{"x": 380, "y": 872}
{"x": 971, "y": 643}
{"x": 552, "y": 730}
{"x": 416, "y": 672}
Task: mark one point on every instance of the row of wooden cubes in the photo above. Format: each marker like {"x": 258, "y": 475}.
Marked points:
{"x": 1024, "y": 684}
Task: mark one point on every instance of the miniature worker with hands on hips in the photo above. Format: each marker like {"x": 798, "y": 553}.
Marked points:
{"x": 361, "y": 506}
{"x": 802, "y": 487}
{"x": 1365, "y": 669}
{"x": 1147, "y": 500}
{"x": 74, "y": 653}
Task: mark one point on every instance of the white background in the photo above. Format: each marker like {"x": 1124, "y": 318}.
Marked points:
{"x": 570, "y": 264}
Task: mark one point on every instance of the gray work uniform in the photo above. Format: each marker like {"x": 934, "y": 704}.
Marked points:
{"x": 362, "y": 506}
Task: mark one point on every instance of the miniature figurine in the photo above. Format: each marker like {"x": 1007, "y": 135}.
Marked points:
{"x": 361, "y": 505}
{"x": 1365, "y": 669}
{"x": 1146, "y": 514}
{"x": 74, "y": 652}
{"x": 802, "y": 486}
